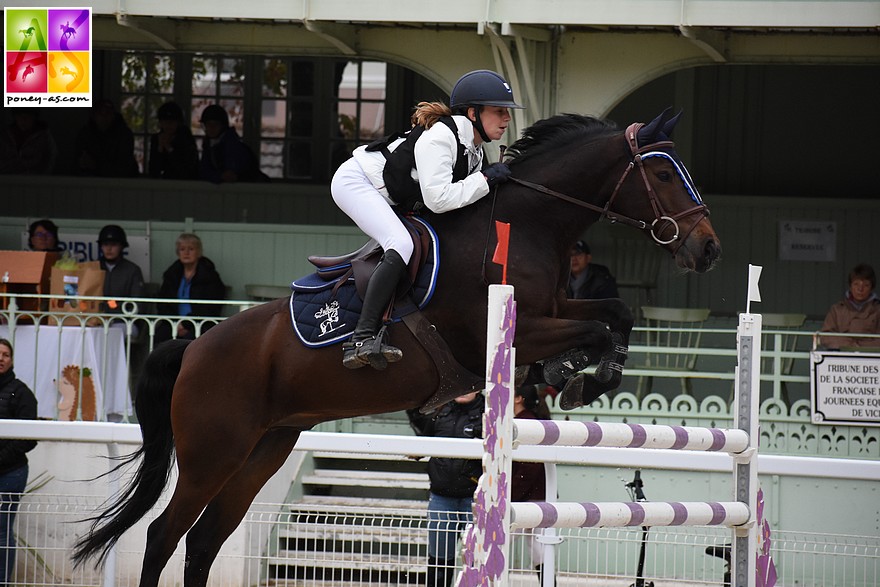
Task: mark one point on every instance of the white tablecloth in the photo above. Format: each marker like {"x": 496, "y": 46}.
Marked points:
{"x": 45, "y": 355}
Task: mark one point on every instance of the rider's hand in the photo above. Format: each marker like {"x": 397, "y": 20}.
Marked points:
{"x": 496, "y": 173}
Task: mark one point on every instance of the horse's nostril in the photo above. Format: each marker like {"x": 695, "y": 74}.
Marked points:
{"x": 712, "y": 251}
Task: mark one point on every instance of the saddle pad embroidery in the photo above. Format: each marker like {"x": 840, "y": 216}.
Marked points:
{"x": 322, "y": 316}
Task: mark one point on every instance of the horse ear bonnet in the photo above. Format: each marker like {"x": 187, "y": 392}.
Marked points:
{"x": 659, "y": 129}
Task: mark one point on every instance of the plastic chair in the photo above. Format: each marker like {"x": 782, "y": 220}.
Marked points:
{"x": 673, "y": 328}
{"x": 788, "y": 343}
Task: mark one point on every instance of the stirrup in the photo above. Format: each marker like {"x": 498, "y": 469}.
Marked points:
{"x": 370, "y": 351}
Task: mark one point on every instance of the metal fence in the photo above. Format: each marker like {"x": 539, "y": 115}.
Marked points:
{"x": 282, "y": 545}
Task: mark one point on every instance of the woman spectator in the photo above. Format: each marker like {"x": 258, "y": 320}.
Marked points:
{"x": 19, "y": 403}
{"x": 192, "y": 277}
{"x": 43, "y": 236}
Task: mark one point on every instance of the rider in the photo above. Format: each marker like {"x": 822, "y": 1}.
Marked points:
{"x": 479, "y": 106}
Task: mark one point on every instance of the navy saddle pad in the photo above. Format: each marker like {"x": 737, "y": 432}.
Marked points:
{"x": 326, "y": 312}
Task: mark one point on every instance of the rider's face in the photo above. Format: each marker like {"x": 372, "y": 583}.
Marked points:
{"x": 495, "y": 120}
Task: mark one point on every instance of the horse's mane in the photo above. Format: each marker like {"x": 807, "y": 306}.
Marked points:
{"x": 557, "y": 131}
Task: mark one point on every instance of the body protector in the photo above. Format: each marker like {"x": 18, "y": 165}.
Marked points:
{"x": 400, "y": 162}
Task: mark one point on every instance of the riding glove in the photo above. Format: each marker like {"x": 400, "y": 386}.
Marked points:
{"x": 496, "y": 173}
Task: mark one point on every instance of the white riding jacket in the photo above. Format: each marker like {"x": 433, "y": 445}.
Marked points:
{"x": 435, "y": 154}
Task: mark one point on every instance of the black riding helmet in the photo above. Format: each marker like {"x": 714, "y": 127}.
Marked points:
{"x": 481, "y": 88}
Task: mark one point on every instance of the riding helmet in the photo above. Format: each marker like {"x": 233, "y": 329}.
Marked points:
{"x": 482, "y": 88}
{"x": 215, "y": 112}
{"x": 112, "y": 234}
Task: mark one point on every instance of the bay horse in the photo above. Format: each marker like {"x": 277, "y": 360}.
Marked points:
{"x": 233, "y": 402}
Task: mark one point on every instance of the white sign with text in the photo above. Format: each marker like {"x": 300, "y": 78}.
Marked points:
{"x": 845, "y": 388}
{"x": 805, "y": 240}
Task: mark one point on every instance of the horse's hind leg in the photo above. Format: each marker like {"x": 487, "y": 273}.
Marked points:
{"x": 228, "y": 507}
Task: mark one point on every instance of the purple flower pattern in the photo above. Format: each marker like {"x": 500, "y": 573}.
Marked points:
{"x": 485, "y": 544}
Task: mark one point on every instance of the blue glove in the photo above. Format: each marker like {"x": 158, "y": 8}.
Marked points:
{"x": 496, "y": 173}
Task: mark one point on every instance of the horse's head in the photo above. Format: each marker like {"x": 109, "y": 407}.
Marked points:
{"x": 657, "y": 191}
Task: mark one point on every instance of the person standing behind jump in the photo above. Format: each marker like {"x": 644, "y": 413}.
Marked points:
{"x": 479, "y": 106}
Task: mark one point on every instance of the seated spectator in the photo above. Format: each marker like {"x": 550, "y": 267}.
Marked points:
{"x": 858, "y": 312}
{"x": 105, "y": 145}
{"x": 589, "y": 281}
{"x": 173, "y": 152}
{"x": 43, "y": 236}
{"x": 26, "y": 145}
{"x": 123, "y": 278}
{"x": 225, "y": 157}
{"x": 191, "y": 277}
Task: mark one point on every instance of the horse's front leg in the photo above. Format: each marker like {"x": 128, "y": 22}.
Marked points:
{"x": 564, "y": 371}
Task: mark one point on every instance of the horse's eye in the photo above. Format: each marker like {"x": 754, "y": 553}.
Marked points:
{"x": 664, "y": 176}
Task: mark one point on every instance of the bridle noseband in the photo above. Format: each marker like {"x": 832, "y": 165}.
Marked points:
{"x": 661, "y": 217}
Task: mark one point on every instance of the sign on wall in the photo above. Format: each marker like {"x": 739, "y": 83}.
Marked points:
{"x": 84, "y": 247}
{"x": 804, "y": 240}
{"x": 845, "y": 388}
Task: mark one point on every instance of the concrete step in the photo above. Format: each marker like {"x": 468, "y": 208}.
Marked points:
{"x": 383, "y": 479}
{"x": 329, "y": 561}
{"x": 376, "y": 505}
{"x": 413, "y": 535}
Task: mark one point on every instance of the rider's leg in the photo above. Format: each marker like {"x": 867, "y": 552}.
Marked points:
{"x": 356, "y": 196}
{"x": 366, "y": 347}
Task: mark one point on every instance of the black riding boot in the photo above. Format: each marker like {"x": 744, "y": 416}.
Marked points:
{"x": 365, "y": 346}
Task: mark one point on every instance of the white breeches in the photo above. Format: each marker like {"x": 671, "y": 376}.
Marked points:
{"x": 356, "y": 196}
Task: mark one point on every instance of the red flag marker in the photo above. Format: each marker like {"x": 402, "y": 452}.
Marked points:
{"x": 502, "y": 229}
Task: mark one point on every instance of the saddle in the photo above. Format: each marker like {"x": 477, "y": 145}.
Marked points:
{"x": 361, "y": 263}
{"x": 325, "y": 305}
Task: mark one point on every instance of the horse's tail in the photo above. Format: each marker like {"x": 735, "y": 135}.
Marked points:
{"x": 153, "y": 409}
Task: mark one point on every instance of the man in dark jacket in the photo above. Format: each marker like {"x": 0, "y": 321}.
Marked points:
{"x": 16, "y": 402}
{"x": 589, "y": 281}
{"x": 453, "y": 481}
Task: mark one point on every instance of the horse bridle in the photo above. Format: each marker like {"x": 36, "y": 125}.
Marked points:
{"x": 661, "y": 217}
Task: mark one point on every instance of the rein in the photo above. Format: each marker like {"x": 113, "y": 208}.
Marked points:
{"x": 660, "y": 215}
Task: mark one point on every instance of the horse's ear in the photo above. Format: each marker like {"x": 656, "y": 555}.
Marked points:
{"x": 669, "y": 125}
{"x": 649, "y": 133}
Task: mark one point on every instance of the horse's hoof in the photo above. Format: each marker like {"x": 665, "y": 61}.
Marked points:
{"x": 572, "y": 394}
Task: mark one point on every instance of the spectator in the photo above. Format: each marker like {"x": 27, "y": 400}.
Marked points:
{"x": 192, "y": 277}
{"x": 43, "y": 236}
{"x": 105, "y": 145}
{"x": 225, "y": 157}
{"x": 123, "y": 278}
{"x": 528, "y": 480}
{"x": 26, "y": 145}
{"x": 858, "y": 312}
{"x": 589, "y": 281}
{"x": 452, "y": 480}
{"x": 173, "y": 152}
{"x": 19, "y": 403}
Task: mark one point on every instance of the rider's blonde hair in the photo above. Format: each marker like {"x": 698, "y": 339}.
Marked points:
{"x": 427, "y": 113}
